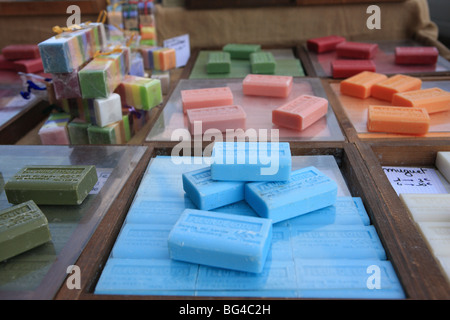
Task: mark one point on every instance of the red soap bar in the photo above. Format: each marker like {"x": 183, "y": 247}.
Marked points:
{"x": 29, "y": 65}
{"x": 6, "y": 64}
{"x": 356, "y": 50}
{"x": 324, "y": 44}
{"x": 416, "y": 55}
{"x": 21, "y": 51}
{"x": 348, "y": 68}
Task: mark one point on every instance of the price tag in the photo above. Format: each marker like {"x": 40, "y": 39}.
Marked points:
{"x": 103, "y": 175}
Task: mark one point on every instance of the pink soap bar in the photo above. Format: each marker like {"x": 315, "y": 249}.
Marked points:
{"x": 324, "y": 44}
{"x": 301, "y": 112}
{"x": 21, "y": 51}
{"x": 356, "y": 50}
{"x": 416, "y": 55}
{"x": 6, "y": 64}
{"x": 267, "y": 85}
{"x": 342, "y": 68}
{"x": 29, "y": 65}
{"x": 203, "y": 98}
{"x": 220, "y": 118}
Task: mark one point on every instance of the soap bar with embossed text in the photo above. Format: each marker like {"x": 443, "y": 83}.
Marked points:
{"x": 221, "y": 240}
{"x": 324, "y": 44}
{"x": 58, "y": 185}
{"x": 432, "y": 99}
{"x": 206, "y": 97}
{"x": 443, "y": 163}
{"x": 427, "y": 207}
{"x": 416, "y": 55}
{"x": 219, "y": 118}
{"x": 385, "y": 89}
{"x": 267, "y": 85}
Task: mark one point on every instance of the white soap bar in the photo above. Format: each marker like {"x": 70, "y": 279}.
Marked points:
{"x": 427, "y": 207}
{"x": 443, "y": 164}
{"x": 108, "y": 110}
{"x": 437, "y": 234}
{"x": 445, "y": 265}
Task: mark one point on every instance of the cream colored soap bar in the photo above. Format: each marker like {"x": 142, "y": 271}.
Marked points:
{"x": 445, "y": 264}
{"x": 437, "y": 234}
{"x": 443, "y": 164}
{"x": 428, "y": 207}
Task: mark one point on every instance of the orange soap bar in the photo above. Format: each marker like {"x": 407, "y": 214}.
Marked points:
{"x": 300, "y": 113}
{"x": 360, "y": 85}
{"x": 208, "y": 97}
{"x": 433, "y": 99}
{"x": 267, "y": 85}
{"x": 415, "y": 121}
{"x": 167, "y": 59}
{"x": 386, "y": 89}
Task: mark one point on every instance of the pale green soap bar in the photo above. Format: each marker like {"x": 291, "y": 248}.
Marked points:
{"x": 218, "y": 62}
{"x": 22, "y": 227}
{"x": 241, "y": 51}
{"x": 51, "y": 185}
{"x": 263, "y": 62}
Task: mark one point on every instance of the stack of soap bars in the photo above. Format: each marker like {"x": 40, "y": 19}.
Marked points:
{"x": 101, "y": 102}
{"x": 24, "y": 226}
{"x": 21, "y": 58}
{"x": 405, "y": 107}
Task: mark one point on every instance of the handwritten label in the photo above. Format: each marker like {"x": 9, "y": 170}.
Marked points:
{"x": 182, "y": 49}
{"x": 414, "y": 180}
{"x": 103, "y": 175}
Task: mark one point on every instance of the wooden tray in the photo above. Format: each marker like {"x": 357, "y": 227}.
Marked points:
{"x": 410, "y": 258}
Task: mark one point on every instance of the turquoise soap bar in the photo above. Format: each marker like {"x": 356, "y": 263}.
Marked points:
{"x": 207, "y": 193}
{"x": 221, "y": 240}
{"x": 336, "y": 242}
{"x": 147, "y": 277}
{"x": 307, "y": 190}
{"x": 142, "y": 241}
{"x": 251, "y": 161}
{"x": 347, "y": 279}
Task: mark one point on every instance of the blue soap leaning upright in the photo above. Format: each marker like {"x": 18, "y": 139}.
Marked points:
{"x": 308, "y": 189}
{"x": 207, "y": 193}
{"x": 221, "y": 240}
{"x": 251, "y": 161}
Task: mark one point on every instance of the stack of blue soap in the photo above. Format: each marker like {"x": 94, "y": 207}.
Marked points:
{"x": 331, "y": 252}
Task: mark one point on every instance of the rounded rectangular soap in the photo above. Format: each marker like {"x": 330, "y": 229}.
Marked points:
{"x": 385, "y": 90}
{"x": 432, "y": 99}
{"x": 442, "y": 162}
{"x": 324, "y": 44}
{"x": 344, "y": 68}
{"x": 251, "y": 161}
{"x": 262, "y": 62}
{"x": 356, "y": 50}
{"x": 206, "y": 97}
{"x": 52, "y": 185}
{"x": 360, "y": 85}
{"x": 220, "y": 118}
{"x": 416, "y": 55}
{"x": 241, "y": 51}
{"x": 218, "y": 62}
{"x": 307, "y": 190}
{"x": 221, "y": 240}
{"x": 267, "y": 85}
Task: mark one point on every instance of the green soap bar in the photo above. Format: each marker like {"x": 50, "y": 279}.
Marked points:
{"x": 64, "y": 185}
{"x": 93, "y": 84}
{"x": 151, "y": 93}
{"x": 22, "y": 227}
{"x": 241, "y": 51}
{"x": 218, "y": 62}
{"x": 262, "y": 62}
{"x": 126, "y": 127}
{"x": 101, "y": 135}
{"x": 78, "y": 132}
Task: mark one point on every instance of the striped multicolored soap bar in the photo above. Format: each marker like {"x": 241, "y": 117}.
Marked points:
{"x": 54, "y": 131}
{"x": 139, "y": 92}
{"x": 67, "y": 51}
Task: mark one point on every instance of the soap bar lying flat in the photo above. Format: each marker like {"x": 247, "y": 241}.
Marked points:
{"x": 432, "y": 99}
{"x": 336, "y": 242}
{"x": 251, "y": 161}
{"x": 221, "y": 240}
{"x": 414, "y": 121}
{"x": 300, "y": 113}
{"x": 427, "y": 207}
{"x": 346, "y": 278}
{"x": 386, "y": 89}
{"x": 208, "y": 97}
{"x": 307, "y": 190}
{"x": 241, "y": 51}
{"x": 262, "y": 62}
{"x": 437, "y": 235}
{"x": 22, "y": 227}
{"x": 54, "y": 131}
{"x": 360, "y": 85}
{"x": 267, "y": 85}
{"x": 21, "y": 51}
{"x": 416, "y": 55}
{"x": 108, "y": 110}
{"x": 207, "y": 193}
{"x": 218, "y": 62}
{"x": 220, "y": 118}
{"x": 324, "y": 44}
{"x": 356, "y": 50}
{"x": 29, "y": 65}
{"x": 65, "y": 185}
{"x": 346, "y": 68}
{"x": 443, "y": 163}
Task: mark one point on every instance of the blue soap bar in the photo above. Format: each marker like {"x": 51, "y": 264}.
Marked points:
{"x": 147, "y": 277}
{"x": 207, "y": 193}
{"x": 361, "y": 210}
{"x": 221, "y": 240}
{"x": 344, "y": 211}
{"x": 346, "y": 279}
{"x": 307, "y": 190}
{"x": 240, "y": 208}
{"x": 281, "y": 248}
{"x": 251, "y": 161}
{"x": 142, "y": 241}
{"x": 336, "y": 242}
